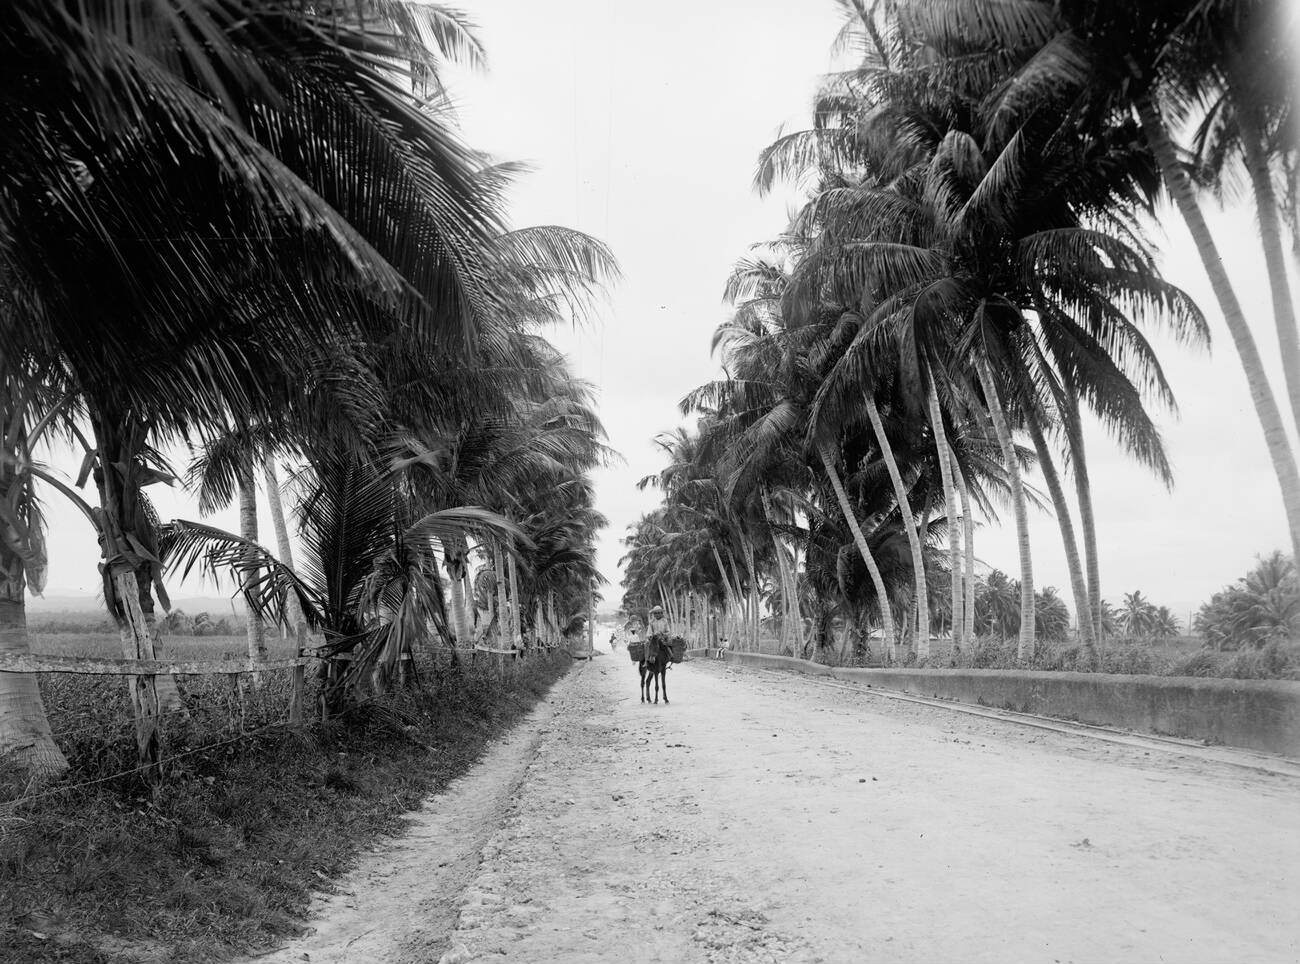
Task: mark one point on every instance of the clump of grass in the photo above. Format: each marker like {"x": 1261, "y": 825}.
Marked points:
{"x": 222, "y": 857}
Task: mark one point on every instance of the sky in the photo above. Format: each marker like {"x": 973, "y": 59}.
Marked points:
{"x": 643, "y": 123}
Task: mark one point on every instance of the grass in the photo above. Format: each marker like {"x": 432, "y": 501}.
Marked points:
{"x": 221, "y": 858}
{"x": 179, "y": 647}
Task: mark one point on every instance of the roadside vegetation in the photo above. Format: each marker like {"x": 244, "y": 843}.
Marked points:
{"x": 249, "y": 236}
{"x": 222, "y": 858}
{"x": 965, "y": 291}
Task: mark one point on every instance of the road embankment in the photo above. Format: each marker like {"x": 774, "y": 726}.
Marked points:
{"x": 1252, "y": 714}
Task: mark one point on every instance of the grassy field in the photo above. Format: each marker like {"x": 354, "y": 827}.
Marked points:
{"x": 183, "y": 647}
{"x": 221, "y": 858}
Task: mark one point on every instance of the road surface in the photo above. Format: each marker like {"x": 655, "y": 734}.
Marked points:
{"x": 771, "y": 818}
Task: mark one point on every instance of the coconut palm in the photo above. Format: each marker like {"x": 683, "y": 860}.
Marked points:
{"x": 25, "y": 737}
{"x": 1164, "y": 624}
{"x": 1261, "y": 607}
{"x": 1137, "y": 617}
{"x": 1107, "y": 61}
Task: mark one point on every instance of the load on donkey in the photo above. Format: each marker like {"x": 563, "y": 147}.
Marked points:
{"x": 655, "y": 654}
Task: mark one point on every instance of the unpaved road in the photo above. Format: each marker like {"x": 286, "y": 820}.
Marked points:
{"x": 759, "y": 818}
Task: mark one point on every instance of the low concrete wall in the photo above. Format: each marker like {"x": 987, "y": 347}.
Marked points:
{"x": 1255, "y": 714}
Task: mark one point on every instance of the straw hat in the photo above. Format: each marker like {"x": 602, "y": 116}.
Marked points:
{"x": 656, "y": 609}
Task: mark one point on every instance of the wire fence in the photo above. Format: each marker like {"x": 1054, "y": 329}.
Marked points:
{"x": 9, "y": 806}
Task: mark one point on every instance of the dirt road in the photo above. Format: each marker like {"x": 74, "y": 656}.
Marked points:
{"x": 771, "y": 819}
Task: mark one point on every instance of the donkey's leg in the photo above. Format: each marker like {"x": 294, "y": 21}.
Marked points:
{"x": 664, "y": 674}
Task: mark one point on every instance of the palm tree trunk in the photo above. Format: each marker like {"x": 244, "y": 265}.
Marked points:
{"x": 779, "y": 558}
{"x": 503, "y": 603}
{"x": 950, "y": 508}
{"x": 882, "y": 598}
{"x": 248, "y": 529}
{"x": 738, "y": 581}
{"x": 729, "y": 593}
{"x": 285, "y": 548}
{"x": 516, "y": 617}
{"x": 119, "y": 439}
{"x": 753, "y": 615}
{"x": 137, "y": 643}
{"x": 1082, "y": 603}
{"x": 467, "y": 589}
{"x": 968, "y": 545}
{"x": 461, "y": 627}
{"x": 25, "y": 737}
{"x": 1261, "y": 394}
{"x": 1083, "y": 493}
{"x": 1270, "y": 231}
{"x": 1025, "y": 647}
{"x": 909, "y": 526}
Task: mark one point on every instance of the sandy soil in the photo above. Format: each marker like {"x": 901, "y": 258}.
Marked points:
{"x": 759, "y": 818}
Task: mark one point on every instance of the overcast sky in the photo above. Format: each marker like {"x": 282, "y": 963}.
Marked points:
{"x": 644, "y": 122}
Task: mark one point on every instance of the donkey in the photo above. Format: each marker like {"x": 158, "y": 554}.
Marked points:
{"x": 654, "y": 667}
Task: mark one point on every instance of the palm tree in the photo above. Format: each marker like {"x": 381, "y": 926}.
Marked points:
{"x": 1261, "y": 607}
{"x": 1104, "y": 62}
{"x": 997, "y": 605}
{"x": 1138, "y": 615}
{"x": 1164, "y": 624}
{"x": 25, "y": 737}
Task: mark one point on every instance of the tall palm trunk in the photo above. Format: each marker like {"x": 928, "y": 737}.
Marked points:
{"x": 1082, "y": 603}
{"x": 503, "y": 603}
{"x": 968, "y": 545}
{"x": 124, "y": 532}
{"x": 1261, "y": 394}
{"x": 753, "y": 615}
{"x": 951, "y": 510}
{"x": 882, "y": 598}
{"x": 782, "y": 570}
{"x": 1025, "y": 647}
{"x": 516, "y": 615}
{"x": 248, "y": 529}
{"x": 1270, "y": 231}
{"x": 137, "y": 643}
{"x": 461, "y": 626}
{"x": 1083, "y": 493}
{"x": 25, "y": 737}
{"x": 283, "y": 546}
{"x": 739, "y": 582}
{"x": 728, "y": 592}
{"x": 909, "y": 526}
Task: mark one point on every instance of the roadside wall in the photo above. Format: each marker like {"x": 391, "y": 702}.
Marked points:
{"x": 1255, "y": 714}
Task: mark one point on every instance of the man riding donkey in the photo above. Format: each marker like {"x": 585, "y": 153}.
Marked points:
{"x": 657, "y": 655}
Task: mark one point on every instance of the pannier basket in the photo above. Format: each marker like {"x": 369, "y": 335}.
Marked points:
{"x": 636, "y": 651}
{"x": 677, "y": 649}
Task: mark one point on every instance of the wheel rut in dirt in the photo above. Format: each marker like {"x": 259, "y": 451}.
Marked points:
{"x": 399, "y": 903}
